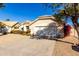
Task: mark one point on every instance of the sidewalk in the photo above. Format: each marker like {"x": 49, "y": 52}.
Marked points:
{"x": 63, "y": 47}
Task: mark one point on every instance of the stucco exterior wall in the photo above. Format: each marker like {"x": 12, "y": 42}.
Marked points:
{"x": 8, "y": 29}
{"x": 73, "y": 32}
{"x": 34, "y": 27}
{"x": 24, "y": 28}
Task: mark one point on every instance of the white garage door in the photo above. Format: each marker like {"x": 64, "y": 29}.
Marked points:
{"x": 44, "y": 30}
{"x": 38, "y": 28}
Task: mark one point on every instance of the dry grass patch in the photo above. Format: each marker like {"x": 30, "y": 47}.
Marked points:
{"x": 21, "y": 32}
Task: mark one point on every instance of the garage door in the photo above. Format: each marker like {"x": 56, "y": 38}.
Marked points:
{"x": 38, "y": 28}
{"x": 44, "y": 30}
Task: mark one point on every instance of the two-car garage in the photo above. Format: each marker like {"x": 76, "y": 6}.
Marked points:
{"x": 44, "y": 25}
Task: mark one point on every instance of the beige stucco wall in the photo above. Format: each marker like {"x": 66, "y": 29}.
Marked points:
{"x": 9, "y": 29}
{"x": 40, "y": 23}
{"x": 24, "y": 28}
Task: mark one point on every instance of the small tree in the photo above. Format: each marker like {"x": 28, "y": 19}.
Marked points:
{"x": 66, "y": 10}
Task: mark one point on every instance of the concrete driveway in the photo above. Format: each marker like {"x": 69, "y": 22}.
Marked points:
{"x": 19, "y": 45}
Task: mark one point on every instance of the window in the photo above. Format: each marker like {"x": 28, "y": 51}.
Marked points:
{"x": 27, "y": 27}
{"x": 22, "y": 29}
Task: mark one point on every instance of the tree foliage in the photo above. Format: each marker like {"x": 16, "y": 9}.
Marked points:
{"x": 66, "y": 10}
{"x": 2, "y": 5}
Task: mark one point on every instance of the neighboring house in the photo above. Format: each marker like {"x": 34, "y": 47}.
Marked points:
{"x": 16, "y": 26}
{"x": 44, "y": 25}
{"x": 25, "y": 26}
{"x": 10, "y": 25}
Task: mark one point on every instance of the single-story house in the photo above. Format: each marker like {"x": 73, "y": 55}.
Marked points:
{"x": 44, "y": 25}
{"x": 10, "y": 25}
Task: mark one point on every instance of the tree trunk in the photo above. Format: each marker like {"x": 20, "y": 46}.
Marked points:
{"x": 75, "y": 23}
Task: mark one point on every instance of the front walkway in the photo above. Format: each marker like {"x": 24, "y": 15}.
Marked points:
{"x": 15, "y": 44}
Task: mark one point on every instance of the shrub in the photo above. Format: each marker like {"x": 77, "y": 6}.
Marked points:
{"x": 26, "y": 32}
{"x": 21, "y": 32}
{"x": 16, "y": 31}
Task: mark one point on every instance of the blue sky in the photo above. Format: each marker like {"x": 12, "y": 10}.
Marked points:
{"x": 23, "y": 11}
